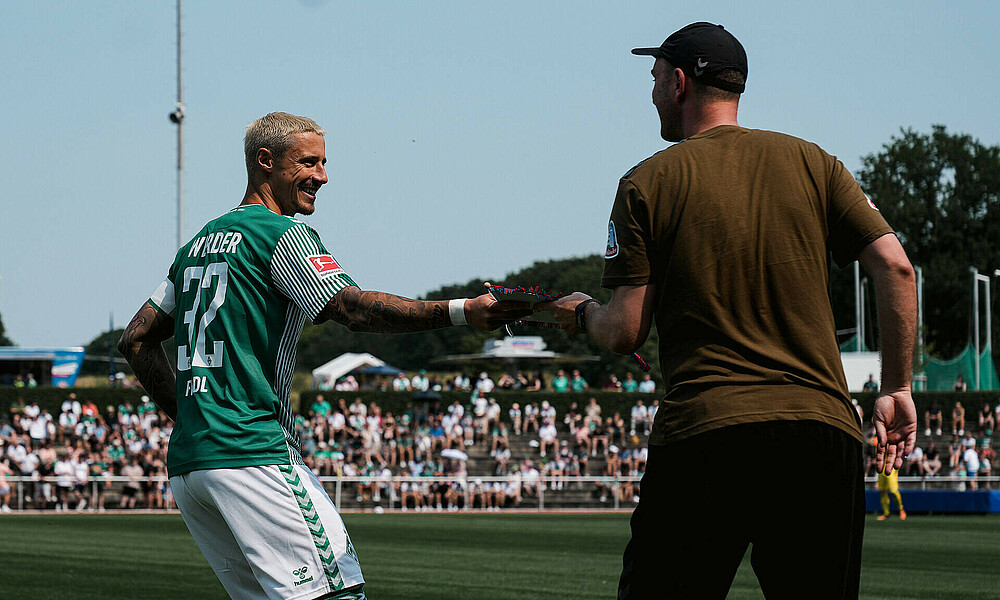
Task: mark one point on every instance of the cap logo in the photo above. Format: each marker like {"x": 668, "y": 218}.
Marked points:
{"x": 700, "y": 67}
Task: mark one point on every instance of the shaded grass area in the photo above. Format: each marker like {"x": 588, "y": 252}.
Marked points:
{"x": 460, "y": 556}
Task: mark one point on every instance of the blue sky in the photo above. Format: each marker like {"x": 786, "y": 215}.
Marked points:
{"x": 465, "y": 139}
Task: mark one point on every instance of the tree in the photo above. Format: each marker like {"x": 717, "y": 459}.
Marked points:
{"x": 4, "y": 340}
{"x": 941, "y": 192}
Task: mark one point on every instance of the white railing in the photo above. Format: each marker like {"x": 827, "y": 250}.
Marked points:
{"x": 342, "y": 490}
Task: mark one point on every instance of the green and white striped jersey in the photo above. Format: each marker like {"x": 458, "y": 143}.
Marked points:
{"x": 239, "y": 293}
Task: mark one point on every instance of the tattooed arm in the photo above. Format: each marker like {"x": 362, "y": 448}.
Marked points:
{"x": 379, "y": 312}
{"x": 141, "y": 345}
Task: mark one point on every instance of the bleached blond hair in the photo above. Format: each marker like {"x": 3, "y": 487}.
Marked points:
{"x": 274, "y": 131}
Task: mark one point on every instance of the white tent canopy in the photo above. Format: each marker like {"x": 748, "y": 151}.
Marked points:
{"x": 344, "y": 364}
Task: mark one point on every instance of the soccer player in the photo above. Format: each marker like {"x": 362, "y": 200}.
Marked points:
{"x": 235, "y": 299}
{"x": 889, "y": 484}
{"x": 725, "y": 239}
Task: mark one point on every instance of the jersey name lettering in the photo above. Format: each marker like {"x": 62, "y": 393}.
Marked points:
{"x": 196, "y": 385}
{"x": 219, "y": 242}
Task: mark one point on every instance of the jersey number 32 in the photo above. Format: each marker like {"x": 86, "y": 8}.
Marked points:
{"x": 200, "y": 278}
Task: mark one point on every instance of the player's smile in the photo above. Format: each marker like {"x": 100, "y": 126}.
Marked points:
{"x": 300, "y": 173}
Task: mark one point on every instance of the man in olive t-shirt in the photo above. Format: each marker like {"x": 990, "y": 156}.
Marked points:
{"x": 725, "y": 240}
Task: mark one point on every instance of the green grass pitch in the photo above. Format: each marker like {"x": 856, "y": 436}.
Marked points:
{"x": 460, "y": 556}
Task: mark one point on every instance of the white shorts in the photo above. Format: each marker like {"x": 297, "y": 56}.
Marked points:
{"x": 269, "y": 531}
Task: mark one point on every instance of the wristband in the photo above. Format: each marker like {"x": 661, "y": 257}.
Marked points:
{"x": 456, "y": 310}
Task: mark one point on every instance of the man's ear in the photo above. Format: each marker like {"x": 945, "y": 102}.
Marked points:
{"x": 682, "y": 83}
{"x": 265, "y": 160}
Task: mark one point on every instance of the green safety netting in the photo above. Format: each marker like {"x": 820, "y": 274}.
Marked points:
{"x": 942, "y": 374}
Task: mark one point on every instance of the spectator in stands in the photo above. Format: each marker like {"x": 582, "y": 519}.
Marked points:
{"x": 548, "y": 412}
{"x": 960, "y": 385}
{"x": 630, "y": 384}
{"x": 501, "y": 460}
{"x": 516, "y": 418}
{"x": 536, "y": 383}
{"x": 484, "y": 384}
{"x": 932, "y": 419}
{"x": 639, "y": 414}
{"x": 67, "y": 423}
{"x": 987, "y": 421}
{"x": 531, "y": 416}
{"x": 320, "y": 407}
{"x": 971, "y": 460}
{"x": 547, "y": 437}
{"x": 954, "y": 453}
{"x": 593, "y": 412}
{"x": 932, "y": 461}
{"x": 492, "y": 414}
{"x": 573, "y": 418}
{"x": 560, "y": 383}
{"x": 529, "y": 479}
{"x": 613, "y": 385}
{"x": 507, "y": 382}
{"x": 522, "y": 381}
{"x": 871, "y": 385}
{"x": 63, "y": 474}
{"x": 578, "y": 383}
{"x": 598, "y": 437}
{"x": 134, "y": 472}
{"x": 914, "y": 464}
{"x": 17, "y": 407}
{"x": 401, "y": 383}
{"x": 420, "y": 383}
{"x": 501, "y": 439}
{"x": 648, "y": 386}
{"x": 617, "y": 429}
{"x": 958, "y": 419}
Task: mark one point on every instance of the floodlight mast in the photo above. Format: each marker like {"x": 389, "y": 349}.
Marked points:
{"x": 177, "y": 117}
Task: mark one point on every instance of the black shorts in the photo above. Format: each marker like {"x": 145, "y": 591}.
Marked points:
{"x": 794, "y": 490}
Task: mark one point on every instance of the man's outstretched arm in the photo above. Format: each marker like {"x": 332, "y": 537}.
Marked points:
{"x": 621, "y": 326}
{"x": 142, "y": 347}
{"x": 380, "y": 312}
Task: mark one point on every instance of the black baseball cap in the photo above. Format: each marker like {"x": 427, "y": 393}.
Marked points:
{"x": 703, "y": 50}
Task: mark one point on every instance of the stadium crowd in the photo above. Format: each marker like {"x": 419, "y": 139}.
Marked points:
{"x": 70, "y": 457}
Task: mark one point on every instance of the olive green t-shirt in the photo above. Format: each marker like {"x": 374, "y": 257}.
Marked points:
{"x": 735, "y": 227}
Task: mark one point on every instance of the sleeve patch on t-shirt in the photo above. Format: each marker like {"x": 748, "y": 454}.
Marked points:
{"x": 870, "y": 203}
{"x": 324, "y": 264}
{"x": 612, "y": 250}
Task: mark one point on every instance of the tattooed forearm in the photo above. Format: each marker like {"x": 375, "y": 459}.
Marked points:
{"x": 141, "y": 345}
{"x": 379, "y": 312}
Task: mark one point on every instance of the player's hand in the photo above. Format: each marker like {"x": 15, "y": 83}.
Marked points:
{"x": 564, "y": 310}
{"x": 895, "y": 420}
{"x": 485, "y": 313}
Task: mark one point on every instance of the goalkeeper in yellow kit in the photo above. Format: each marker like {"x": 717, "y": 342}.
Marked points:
{"x": 889, "y": 484}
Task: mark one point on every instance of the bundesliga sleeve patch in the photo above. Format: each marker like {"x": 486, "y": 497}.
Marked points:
{"x": 612, "y": 250}
{"x": 324, "y": 264}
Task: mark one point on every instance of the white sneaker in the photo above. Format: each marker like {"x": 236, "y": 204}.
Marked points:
{"x": 937, "y": 431}
{"x": 5, "y": 509}
{"x": 927, "y": 432}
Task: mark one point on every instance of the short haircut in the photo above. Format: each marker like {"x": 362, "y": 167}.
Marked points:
{"x": 714, "y": 94}
{"x": 274, "y": 131}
